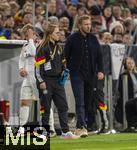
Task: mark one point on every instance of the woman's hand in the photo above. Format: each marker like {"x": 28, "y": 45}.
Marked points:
{"x": 43, "y": 86}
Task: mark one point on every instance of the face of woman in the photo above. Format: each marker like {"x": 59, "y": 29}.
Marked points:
{"x": 130, "y": 64}
{"x": 107, "y": 12}
{"x": 56, "y": 34}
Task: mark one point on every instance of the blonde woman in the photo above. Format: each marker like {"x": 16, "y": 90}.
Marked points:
{"x": 131, "y": 104}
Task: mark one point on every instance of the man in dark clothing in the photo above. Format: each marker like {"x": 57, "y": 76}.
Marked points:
{"x": 84, "y": 60}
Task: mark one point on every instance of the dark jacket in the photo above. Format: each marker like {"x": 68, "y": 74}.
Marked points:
{"x": 74, "y": 51}
{"x": 56, "y": 63}
{"x": 130, "y": 86}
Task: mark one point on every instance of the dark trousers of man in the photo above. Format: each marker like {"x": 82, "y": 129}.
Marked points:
{"x": 57, "y": 94}
{"x": 82, "y": 93}
{"x": 131, "y": 112}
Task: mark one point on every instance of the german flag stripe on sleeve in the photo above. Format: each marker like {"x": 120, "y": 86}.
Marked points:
{"x": 40, "y": 61}
{"x": 102, "y": 106}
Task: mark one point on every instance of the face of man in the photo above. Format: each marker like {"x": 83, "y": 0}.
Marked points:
{"x": 72, "y": 10}
{"x": 85, "y": 27}
{"x": 52, "y": 7}
{"x": 117, "y": 11}
{"x": 27, "y": 18}
{"x": 64, "y": 24}
{"x": 118, "y": 38}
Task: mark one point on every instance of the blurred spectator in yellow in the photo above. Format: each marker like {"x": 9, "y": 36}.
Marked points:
{"x": 27, "y": 8}
{"x": 6, "y": 26}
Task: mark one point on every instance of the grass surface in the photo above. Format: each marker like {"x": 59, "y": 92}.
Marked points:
{"x": 92, "y": 142}
{"x": 97, "y": 142}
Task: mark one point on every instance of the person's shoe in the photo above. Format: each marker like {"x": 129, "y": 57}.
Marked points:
{"x": 81, "y": 132}
{"x": 41, "y": 136}
{"x": 52, "y": 134}
{"x": 69, "y": 135}
{"x": 129, "y": 130}
{"x": 91, "y": 132}
{"x": 104, "y": 131}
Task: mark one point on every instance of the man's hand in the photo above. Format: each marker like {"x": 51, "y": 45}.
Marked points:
{"x": 100, "y": 76}
{"x": 43, "y": 86}
{"x": 23, "y": 72}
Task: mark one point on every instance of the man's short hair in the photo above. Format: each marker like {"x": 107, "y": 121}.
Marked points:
{"x": 27, "y": 27}
{"x": 95, "y": 10}
{"x": 82, "y": 18}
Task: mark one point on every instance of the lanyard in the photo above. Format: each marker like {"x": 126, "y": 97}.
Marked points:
{"x": 54, "y": 52}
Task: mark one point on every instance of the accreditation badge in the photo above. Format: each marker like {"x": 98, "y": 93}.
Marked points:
{"x": 47, "y": 66}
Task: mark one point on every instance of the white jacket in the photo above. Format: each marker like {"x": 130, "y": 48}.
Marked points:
{"x": 26, "y": 60}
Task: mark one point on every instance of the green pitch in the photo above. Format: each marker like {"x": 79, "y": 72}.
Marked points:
{"x": 97, "y": 142}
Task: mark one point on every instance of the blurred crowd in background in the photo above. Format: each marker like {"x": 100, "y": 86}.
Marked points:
{"x": 112, "y": 20}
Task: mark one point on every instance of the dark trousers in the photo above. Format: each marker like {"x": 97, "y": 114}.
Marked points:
{"x": 131, "y": 112}
{"x": 57, "y": 94}
{"x": 82, "y": 92}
